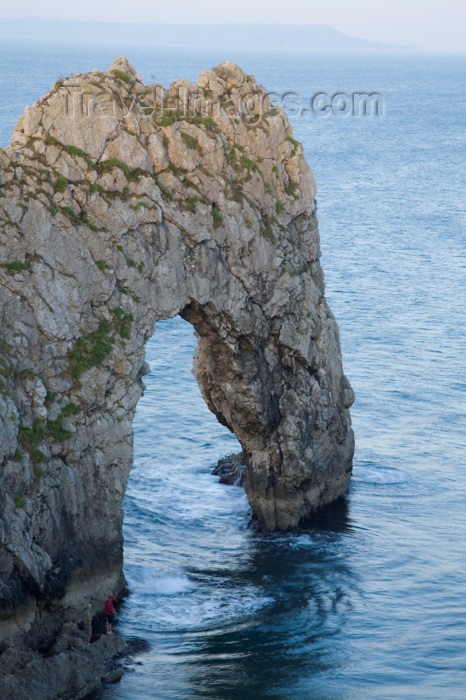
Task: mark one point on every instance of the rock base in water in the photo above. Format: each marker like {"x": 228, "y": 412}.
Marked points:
{"x": 69, "y": 669}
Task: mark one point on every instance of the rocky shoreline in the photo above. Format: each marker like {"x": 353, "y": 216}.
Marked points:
{"x": 69, "y": 669}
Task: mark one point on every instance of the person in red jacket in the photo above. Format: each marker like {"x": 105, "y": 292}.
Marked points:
{"x": 109, "y": 612}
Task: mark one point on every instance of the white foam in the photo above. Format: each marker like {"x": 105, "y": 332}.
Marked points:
{"x": 173, "y": 601}
{"x": 148, "y": 581}
{"x": 171, "y": 585}
{"x": 206, "y": 614}
{"x": 379, "y": 475}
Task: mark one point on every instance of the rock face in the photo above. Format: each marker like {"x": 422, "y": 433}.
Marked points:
{"x": 70, "y": 669}
{"x": 114, "y": 214}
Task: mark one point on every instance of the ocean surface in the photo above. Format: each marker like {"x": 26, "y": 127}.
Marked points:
{"x": 369, "y": 602}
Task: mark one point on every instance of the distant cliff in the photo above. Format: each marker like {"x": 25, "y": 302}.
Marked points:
{"x": 122, "y": 204}
{"x": 264, "y": 36}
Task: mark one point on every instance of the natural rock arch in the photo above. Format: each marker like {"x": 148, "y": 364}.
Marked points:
{"x": 113, "y": 216}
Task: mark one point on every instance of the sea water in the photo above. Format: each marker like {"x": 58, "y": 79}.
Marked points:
{"x": 369, "y": 602}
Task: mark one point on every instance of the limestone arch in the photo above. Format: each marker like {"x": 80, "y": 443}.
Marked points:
{"x": 112, "y": 220}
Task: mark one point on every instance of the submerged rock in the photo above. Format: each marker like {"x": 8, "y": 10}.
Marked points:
{"x": 121, "y": 205}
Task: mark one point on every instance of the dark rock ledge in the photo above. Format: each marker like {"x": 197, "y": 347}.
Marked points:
{"x": 230, "y": 469}
{"x": 68, "y": 669}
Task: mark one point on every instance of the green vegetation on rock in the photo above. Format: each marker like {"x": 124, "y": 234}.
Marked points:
{"x": 26, "y": 373}
{"x": 107, "y": 165}
{"x": 121, "y": 75}
{"x": 71, "y": 409}
{"x": 294, "y": 143}
{"x": 217, "y": 216}
{"x": 290, "y": 190}
{"x": 123, "y": 322}
{"x": 191, "y": 141}
{"x": 56, "y": 429}
{"x": 266, "y": 230}
{"x": 192, "y": 201}
{"x": 247, "y": 163}
{"x": 61, "y": 183}
{"x": 90, "y": 350}
{"x": 29, "y": 438}
{"x": 164, "y": 190}
{"x": 76, "y": 152}
{"x": 20, "y": 502}
{"x": 16, "y": 266}
{"x": 175, "y": 170}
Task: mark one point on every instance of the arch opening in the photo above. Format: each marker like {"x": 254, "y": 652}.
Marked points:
{"x": 173, "y": 427}
{"x": 173, "y": 505}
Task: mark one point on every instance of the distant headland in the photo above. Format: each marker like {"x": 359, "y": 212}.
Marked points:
{"x": 259, "y": 36}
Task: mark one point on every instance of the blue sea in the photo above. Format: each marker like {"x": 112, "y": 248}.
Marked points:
{"x": 370, "y": 601}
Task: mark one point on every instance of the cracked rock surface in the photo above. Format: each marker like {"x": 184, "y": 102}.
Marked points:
{"x": 115, "y": 214}
{"x": 69, "y": 669}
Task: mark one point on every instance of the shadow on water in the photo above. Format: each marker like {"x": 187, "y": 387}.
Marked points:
{"x": 333, "y": 518}
{"x": 307, "y": 588}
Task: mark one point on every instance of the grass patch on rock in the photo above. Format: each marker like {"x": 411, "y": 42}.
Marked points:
{"x": 290, "y": 190}
{"x": 294, "y": 143}
{"x": 189, "y": 140}
{"x": 123, "y": 322}
{"x": 217, "y": 217}
{"x": 192, "y": 201}
{"x": 267, "y": 231}
{"x": 19, "y": 501}
{"x": 56, "y": 429}
{"x": 16, "y": 266}
{"x": 121, "y": 75}
{"x": 90, "y": 351}
{"x": 61, "y": 183}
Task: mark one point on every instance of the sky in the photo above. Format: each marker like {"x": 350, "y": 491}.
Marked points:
{"x": 427, "y": 24}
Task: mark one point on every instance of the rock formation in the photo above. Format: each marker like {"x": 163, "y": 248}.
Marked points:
{"x": 121, "y": 205}
{"x": 68, "y": 669}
